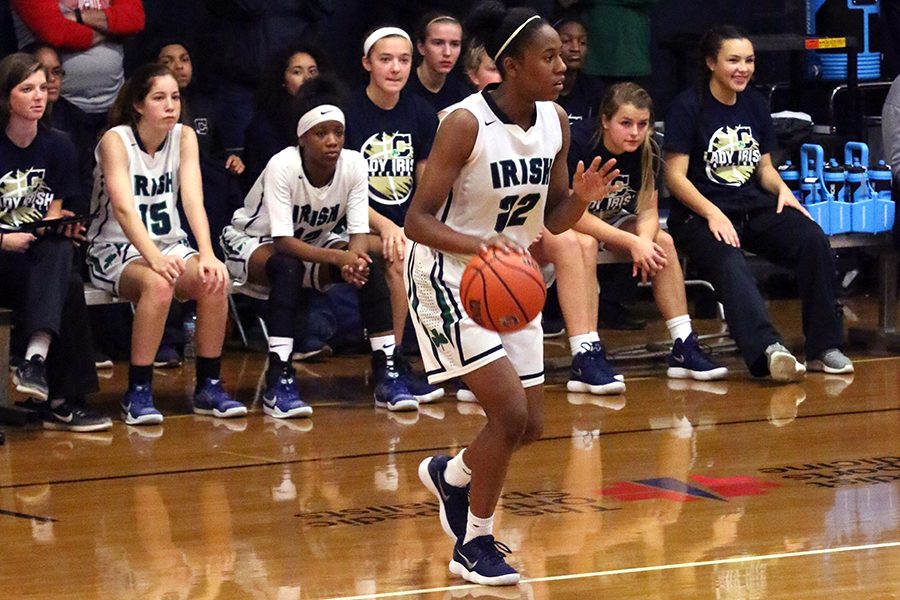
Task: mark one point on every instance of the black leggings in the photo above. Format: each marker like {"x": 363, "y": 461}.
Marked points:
{"x": 285, "y": 275}
{"x": 788, "y": 239}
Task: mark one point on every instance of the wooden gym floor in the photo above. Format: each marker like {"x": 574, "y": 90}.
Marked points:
{"x": 726, "y": 490}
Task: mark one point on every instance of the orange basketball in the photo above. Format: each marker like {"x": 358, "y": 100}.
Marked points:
{"x": 502, "y": 291}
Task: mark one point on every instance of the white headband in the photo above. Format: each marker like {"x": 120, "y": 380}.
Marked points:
{"x": 513, "y": 35}
{"x": 382, "y": 32}
{"x": 320, "y": 114}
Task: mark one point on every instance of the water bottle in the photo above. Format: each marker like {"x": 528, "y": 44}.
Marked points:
{"x": 809, "y": 185}
{"x": 190, "y": 331}
{"x": 834, "y": 179}
{"x": 880, "y": 180}
{"x": 791, "y": 176}
{"x": 857, "y": 184}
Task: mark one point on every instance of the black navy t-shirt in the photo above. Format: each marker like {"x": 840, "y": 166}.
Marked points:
{"x": 453, "y": 90}
{"x": 724, "y": 144}
{"x": 582, "y": 103}
{"x": 584, "y": 148}
{"x": 35, "y": 176}
{"x": 391, "y": 141}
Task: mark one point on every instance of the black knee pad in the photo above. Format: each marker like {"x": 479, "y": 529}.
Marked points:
{"x": 375, "y": 298}
{"x": 285, "y": 275}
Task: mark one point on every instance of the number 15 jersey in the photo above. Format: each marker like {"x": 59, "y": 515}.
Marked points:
{"x": 154, "y": 184}
{"x": 502, "y": 187}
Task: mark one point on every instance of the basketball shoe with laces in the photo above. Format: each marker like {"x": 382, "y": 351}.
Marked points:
{"x": 137, "y": 406}
{"x": 281, "y": 399}
{"x": 483, "y": 561}
{"x": 591, "y": 372}
{"x": 689, "y": 361}
{"x": 212, "y": 399}
{"x": 390, "y": 386}
{"x": 453, "y": 500}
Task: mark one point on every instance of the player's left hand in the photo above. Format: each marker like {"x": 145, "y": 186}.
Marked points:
{"x": 234, "y": 164}
{"x": 393, "y": 242}
{"x": 594, "y": 182}
{"x": 787, "y": 198}
{"x": 213, "y": 274}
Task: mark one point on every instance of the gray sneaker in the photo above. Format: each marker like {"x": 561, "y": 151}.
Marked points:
{"x": 831, "y": 361}
{"x": 783, "y": 366}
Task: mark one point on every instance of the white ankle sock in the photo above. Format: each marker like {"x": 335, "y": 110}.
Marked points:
{"x": 477, "y": 527}
{"x": 576, "y": 342}
{"x": 680, "y": 327}
{"x": 385, "y": 343}
{"x": 282, "y": 346}
{"x": 457, "y": 473}
{"x": 39, "y": 344}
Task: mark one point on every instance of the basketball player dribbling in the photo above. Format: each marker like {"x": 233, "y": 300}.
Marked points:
{"x": 497, "y": 174}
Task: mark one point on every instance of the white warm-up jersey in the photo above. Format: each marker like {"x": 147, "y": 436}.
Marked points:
{"x": 502, "y": 187}
{"x": 154, "y": 183}
{"x": 283, "y": 202}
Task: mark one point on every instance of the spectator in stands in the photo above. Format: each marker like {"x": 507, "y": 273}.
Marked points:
{"x": 65, "y": 116}
{"x": 439, "y": 42}
{"x": 37, "y": 175}
{"x": 250, "y": 35}
{"x": 148, "y": 162}
{"x": 89, "y": 35}
{"x": 480, "y": 69}
{"x": 620, "y": 40}
{"x": 393, "y": 130}
{"x": 271, "y": 129}
{"x": 581, "y": 93}
{"x": 718, "y": 145}
{"x": 628, "y": 218}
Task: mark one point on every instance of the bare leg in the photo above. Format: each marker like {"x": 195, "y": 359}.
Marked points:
{"x": 668, "y": 284}
{"x": 212, "y": 310}
{"x": 574, "y": 255}
{"x": 512, "y": 414}
{"x": 151, "y": 295}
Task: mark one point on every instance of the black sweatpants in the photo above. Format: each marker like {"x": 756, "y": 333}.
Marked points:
{"x": 46, "y": 291}
{"x": 788, "y": 239}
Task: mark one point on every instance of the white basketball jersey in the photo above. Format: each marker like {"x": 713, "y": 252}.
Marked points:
{"x": 283, "y": 202}
{"x": 502, "y": 187}
{"x": 154, "y": 184}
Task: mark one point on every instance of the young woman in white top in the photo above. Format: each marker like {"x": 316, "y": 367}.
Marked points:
{"x": 139, "y": 251}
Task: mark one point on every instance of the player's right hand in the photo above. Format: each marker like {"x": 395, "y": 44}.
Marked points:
{"x": 500, "y": 242}
{"x": 723, "y": 229}
{"x": 17, "y": 242}
{"x": 170, "y": 267}
{"x": 355, "y": 267}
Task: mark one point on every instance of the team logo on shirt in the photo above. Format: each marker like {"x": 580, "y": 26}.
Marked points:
{"x": 731, "y": 156}
{"x": 391, "y": 164}
{"x": 617, "y": 199}
{"x": 201, "y": 125}
{"x": 25, "y": 189}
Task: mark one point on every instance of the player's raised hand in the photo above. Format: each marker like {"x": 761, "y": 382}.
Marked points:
{"x": 594, "y": 182}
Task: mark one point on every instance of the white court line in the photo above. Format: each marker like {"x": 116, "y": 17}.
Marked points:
{"x": 648, "y": 569}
